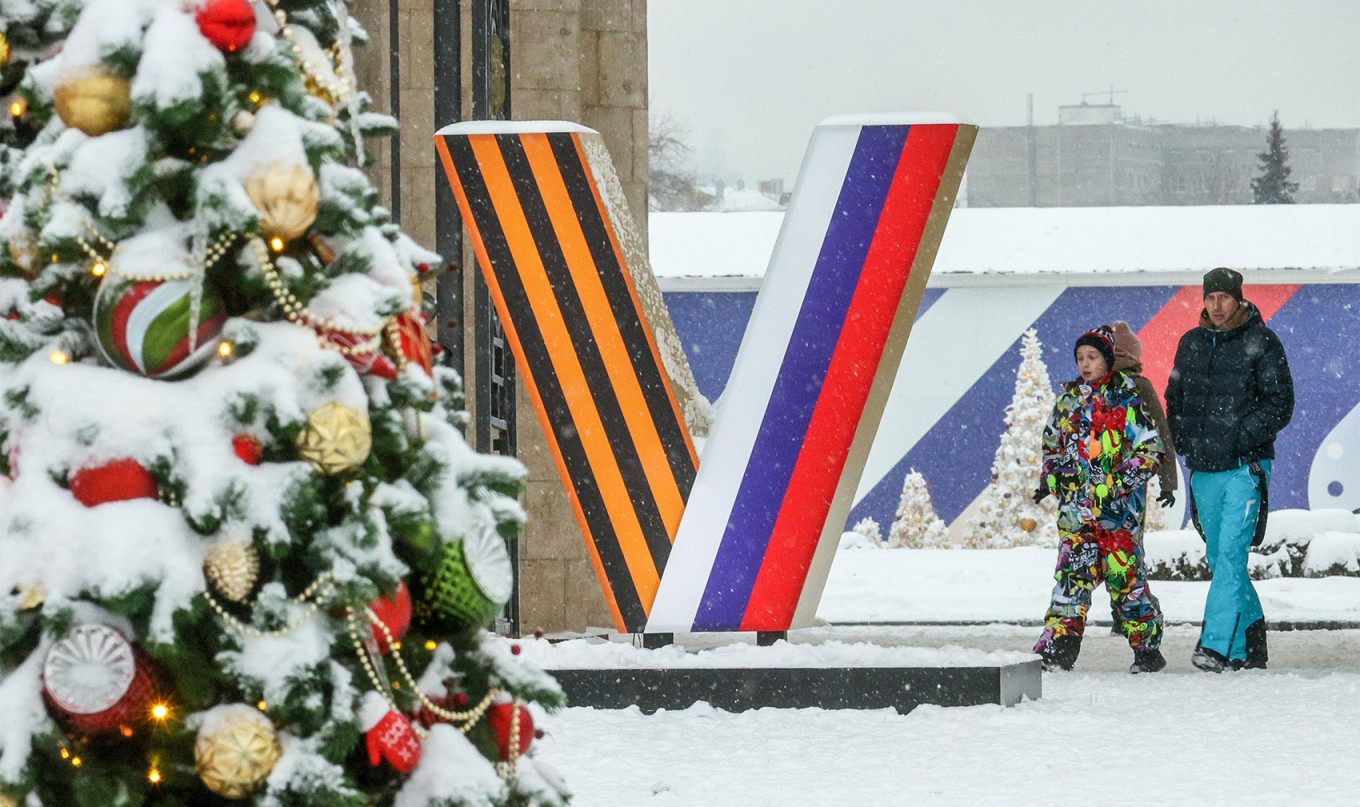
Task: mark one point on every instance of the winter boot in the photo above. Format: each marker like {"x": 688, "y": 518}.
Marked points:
{"x": 1062, "y": 653}
{"x": 1147, "y": 661}
{"x": 1208, "y": 660}
{"x": 1256, "y": 646}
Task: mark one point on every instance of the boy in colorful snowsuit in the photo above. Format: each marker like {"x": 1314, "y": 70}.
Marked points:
{"x": 1100, "y": 449}
{"x": 1228, "y": 396}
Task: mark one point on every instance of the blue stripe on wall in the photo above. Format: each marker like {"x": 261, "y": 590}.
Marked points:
{"x": 1312, "y": 326}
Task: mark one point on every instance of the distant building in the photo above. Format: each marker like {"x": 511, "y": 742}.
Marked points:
{"x": 1096, "y": 157}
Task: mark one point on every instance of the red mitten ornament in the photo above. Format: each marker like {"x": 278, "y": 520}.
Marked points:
{"x": 395, "y": 613}
{"x": 116, "y": 481}
{"x": 501, "y": 718}
{"x": 389, "y": 735}
{"x": 227, "y": 24}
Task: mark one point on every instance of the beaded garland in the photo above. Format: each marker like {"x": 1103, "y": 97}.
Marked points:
{"x": 367, "y": 340}
{"x": 468, "y": 719}
{"x": 339, "y": 89}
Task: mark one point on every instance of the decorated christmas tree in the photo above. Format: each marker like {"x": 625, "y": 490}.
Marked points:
{"x": 916, "y": 525}
{"x": 1007, "y": 515}
{"x": 246, "y": 556}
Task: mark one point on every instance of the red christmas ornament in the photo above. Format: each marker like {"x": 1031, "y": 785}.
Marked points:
{"x": 515, "y": 650}
{"x": 395, "y": 613}
{"x": 95, "y": 682}
{"x": 499, "y": 718}
{"x": 362, "y": 351}
{"x": 116, "y": 481}
{"x": 450, "y": 702}
{"x": 247, "y": 448}
{"x": 406, "y": 339}
{"x": 389, "y": 735}
{"x": 227, "y": 24}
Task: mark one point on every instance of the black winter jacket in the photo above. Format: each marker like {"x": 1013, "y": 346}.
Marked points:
{"x": 1229, "y": 394}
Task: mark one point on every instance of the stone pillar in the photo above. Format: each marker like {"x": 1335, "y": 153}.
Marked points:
{"x": 575, "y": 60}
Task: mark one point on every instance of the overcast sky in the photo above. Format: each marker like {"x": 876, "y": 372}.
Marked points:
{"x": 749, "y": 79}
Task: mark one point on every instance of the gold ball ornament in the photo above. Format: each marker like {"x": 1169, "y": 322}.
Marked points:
{"x": 23, "y": 253}
{"x": 235, "y": 751}
{"x": 93, "y": 100}
{"x": 336, "y": 439}
{"x": 4, "y": 62}
{"x": 233, "y": 566}
{"x": 1028, "y": 524}
{"x": 286, "y": 195}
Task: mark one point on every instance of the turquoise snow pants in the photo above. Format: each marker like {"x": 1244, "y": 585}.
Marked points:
{"x": 1228, "y": 502}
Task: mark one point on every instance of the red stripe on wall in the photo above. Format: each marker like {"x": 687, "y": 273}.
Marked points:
{"x": 1163, "y": 332}
{"x": 821, "y": 461}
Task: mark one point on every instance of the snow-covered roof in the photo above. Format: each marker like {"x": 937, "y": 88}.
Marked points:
{"x": 1103, "y": 245}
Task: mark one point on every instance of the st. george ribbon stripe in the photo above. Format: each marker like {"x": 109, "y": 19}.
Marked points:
{"x": 565, "y": 367}
{"x": 603, "y": 245}
{"x": 604, "y": 390}
{"x": 540, "y": 227}
{"x": 765, "y": 485}
{"x": 849, "y": 378}
{"x": 498, "y": 264}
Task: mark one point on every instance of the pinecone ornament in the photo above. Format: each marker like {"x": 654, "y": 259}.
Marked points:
{"x": 233, "y": 566}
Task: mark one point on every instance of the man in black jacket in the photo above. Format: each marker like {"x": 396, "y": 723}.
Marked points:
{"x": 1229, "y": 394}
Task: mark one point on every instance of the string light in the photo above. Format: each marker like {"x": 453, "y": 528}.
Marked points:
{"x": 260, "y": 706}
{"x": 431, "y": 645}
{"x": 160, "y": 711}
{"x": 76, "y": 761}
{"x": 224, "y": 350}
{"x": 126, "y": 731}
{"x": 59, "y": 357}
{"x": 99, "y": 269}
{"x": 16, "y": 110}
{"x": 276, "y": 244}
{"x": 153, "y": 776}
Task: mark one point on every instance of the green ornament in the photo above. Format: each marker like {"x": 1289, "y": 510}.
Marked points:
{"x": 473, "y": 580}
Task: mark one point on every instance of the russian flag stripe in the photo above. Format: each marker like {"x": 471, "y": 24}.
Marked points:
{"x": 809, "y": 382}
{"x": 821, "y": 463}
{"x": 799, "y": 384}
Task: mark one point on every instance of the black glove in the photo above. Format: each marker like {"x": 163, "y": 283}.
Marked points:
{"x": 1166, "y": 498}
{"x": 1041, "y": 494}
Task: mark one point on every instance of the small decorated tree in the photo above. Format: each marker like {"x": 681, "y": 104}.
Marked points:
{"x": 870, "y": 530}
{"x": 1007, "y": 515}
{"x": 246, "y": 556}
{"x": 916, "y": 525}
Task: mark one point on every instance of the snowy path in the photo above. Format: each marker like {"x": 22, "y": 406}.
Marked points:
{"x": 1286, "y": 735}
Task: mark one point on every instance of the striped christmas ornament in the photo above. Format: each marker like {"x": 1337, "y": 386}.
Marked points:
{"x": 144, "y": 325}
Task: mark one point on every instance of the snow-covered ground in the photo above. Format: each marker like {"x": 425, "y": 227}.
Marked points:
{"x": 1013, "y": 585}
{"x": 1283, "y": 735}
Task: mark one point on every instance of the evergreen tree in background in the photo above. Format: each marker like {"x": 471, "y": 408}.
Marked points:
{"x": 917, "y": 526}
{"x": 1007, "y": 515}
{"x": 1273, "y": 187}
{"x": 246, "y": 556}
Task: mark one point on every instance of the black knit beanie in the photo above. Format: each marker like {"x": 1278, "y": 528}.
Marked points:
{"x": 1102, "y": 339}
{"x": 1225, "y": 280}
